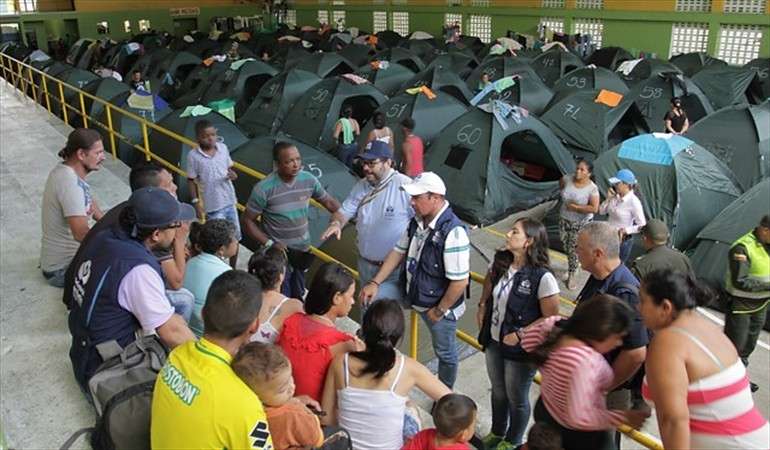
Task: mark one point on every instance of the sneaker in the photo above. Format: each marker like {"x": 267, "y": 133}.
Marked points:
{"x": 505, "y": 445}
{"x": 491, "y": 440}
{"x": 753, "y": 386}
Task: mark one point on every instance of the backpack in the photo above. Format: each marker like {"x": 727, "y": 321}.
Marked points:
{"x": 121, "y": 389}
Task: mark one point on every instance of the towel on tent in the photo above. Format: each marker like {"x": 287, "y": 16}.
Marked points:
{"x": 609, "y": 98}
{"x": 502, "y": 111}
{"x": 237, "y": 64}
{"x": 195, "y": 111}
{"x": 141, "y": 100}
{"x": 626, "y": 67}
{"x": 498, "y": 86}
{"x": 355, "y": 79}
{"x": 422, "y": 89}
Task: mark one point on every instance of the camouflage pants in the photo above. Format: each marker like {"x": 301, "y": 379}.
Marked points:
{"x": 568, "y": 232}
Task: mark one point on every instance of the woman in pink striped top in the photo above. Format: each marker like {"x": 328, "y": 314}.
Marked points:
{"x": 575, "y": 375}
{"x": 694, "y": 376}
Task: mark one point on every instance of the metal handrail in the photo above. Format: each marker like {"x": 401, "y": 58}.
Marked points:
{"x": 642, "y": 438}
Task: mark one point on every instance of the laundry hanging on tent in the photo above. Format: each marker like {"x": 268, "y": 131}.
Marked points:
{"x": 422, "y": 90}
{"x": 237, "y": 64}
{"x": 355, "y": 79}
{"x": 609, "y": 98}
{"x": 379, "y": 65}
{"x": 140, "y": 100}
{"x": 226, "y": 107}
{"x": 502, "y": 111}
{"x": 626, "y": 67}
{"x": 195, "y": 111}
{"x": 498, "y": 86}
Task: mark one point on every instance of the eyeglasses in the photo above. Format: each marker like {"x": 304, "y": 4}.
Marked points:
{"x": 371, "y": 163}
{"x": 173, "y": 225}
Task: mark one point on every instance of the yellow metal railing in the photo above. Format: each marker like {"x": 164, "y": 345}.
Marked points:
{"x": 18, "y": 80}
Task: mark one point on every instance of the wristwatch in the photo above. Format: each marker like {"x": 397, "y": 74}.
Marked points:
{"x": 195, "y": 200}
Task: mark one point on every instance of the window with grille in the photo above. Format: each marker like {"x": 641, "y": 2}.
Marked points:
{"x": 144, "y": 25}
{"x": 745, "y": 6}
{"x": 594, "y": 27}
{"x": 323, "y": 16}
{"x": 450, "y": 19}
{"x": 479, "y": 2}
{"x": 7, "y": 8}
{"x": 339, "y": 19}
{"x": 481, "y": 27}
{"x": 589, "y": 4}
{"x": 693, "y": 5}
{"x": 28, "y": 5}
{"x": 290, "y": 17}
{"x": 739, "y": 44}
{"x": 553, "y": 4}
{"x": 127, "y": 26}
{"x": 689, "y": 37}
{"x": 555, "y": 24}
{"x": 400, "y": 22}
{"x": 379, "y": 21}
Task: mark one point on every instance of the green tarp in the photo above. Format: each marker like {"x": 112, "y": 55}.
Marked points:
{"x": 493, "y": 166}
{"x": 709, "y": 251}
{"x": 312, "y": 118}
{"x": 740, "y": 137}
{"x": 681, "y": 183}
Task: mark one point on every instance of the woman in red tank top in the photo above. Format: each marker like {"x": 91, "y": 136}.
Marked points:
{"x": 310, "y": 339}
{"x": 412, "y": 158}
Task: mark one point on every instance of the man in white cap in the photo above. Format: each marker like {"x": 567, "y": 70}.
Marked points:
{"x": 436, "y": 248}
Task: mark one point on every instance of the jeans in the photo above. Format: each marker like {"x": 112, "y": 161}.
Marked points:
{"x": 229, "y": 213}
{"x": 743, "y": 330}
{"x": 510, "y": 381}
{"x": 294, "y": 283}
{"x": 444, "y": 345}
{"x": 55, "y": 278}
{"x": 183, "y": 302}
{"x": 625, "y": 248}
{"x": 391, "y": 288}
{"x": 346, "y": 153}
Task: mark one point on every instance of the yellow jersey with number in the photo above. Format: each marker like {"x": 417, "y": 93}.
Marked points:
{"x": 199, "y": 403}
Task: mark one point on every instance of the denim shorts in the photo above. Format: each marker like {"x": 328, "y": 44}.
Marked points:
{"x": 229, "y": 213}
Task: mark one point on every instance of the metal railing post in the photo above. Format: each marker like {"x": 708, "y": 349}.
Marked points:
{"x": 111, "y": 130}
{"x": 32, "y": 83}
{"x": 83, "y": 109}
{"x": 147, "y": 154}
{"x": 45, "y": 92}
{"x": 62, "y": 103}
{"x": 22, "y": 81}
{"x": 413, "y": 334}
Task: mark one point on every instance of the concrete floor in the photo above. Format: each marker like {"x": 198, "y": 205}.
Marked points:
{"x": 40, "y": 403}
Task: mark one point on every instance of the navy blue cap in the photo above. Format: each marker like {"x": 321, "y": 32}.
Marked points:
{"x": 156, "y": 208}
{"x": 377, "y": 150}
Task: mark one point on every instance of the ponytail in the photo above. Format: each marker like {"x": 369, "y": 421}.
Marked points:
{"x": 79, "y": 139}
{"x": 382, "y": 329}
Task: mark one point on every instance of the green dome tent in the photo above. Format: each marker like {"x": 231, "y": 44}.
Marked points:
{"x": 312, "y": 118}
{"x": 401, "y": 56}
{"x": 166, "y": 70}
{"x": 268, "y": 110}
{"x": 240, "y": 83}
{"x": 74, "y": 77}
{"x": 553, "y": 64}
{"x": 358, "y": 54}
{"x": 681, "y": 183}
{"x": 389, "y": 80}
{"x": 709, "y": 251}
{"x": 129, "y": 128}
{"x": 424, "y": 49}
{"x": 527, "y": 91}
{"x": 334, "y": 176}
{"x": 762, "y": 65}
{"x": 103, "y": 88}
{"x": 645, "y": 69}
{"x": 694, "y": 62}
{"x": 459, "y": 62}
{"x": 589, "y": 78}
{"x": 430, "y": 116}
{"x": 176, "y": 153}
{"x": 499, "y": 67}
{"x": 497, "y": 163}
{"x": 325, "y": 65}
{"x": 739, "y": 136}
{"x": 652, "y": 98}
{"x": 194, "y": 86}
{"x": 587, "y": 127}
{"x": 726, "y": 86}
{"x": 77, "y": 50}
{"x": 609, "y": 57}
{"x": 441, "y": 78}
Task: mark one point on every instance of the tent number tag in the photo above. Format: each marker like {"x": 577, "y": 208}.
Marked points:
{"x": 469, "y": 135}
{"x": 571, "y": 111}
{"x": 314, "y": 169}
{"x": 396, "y": 110}
{"x": 578, "y": 82}
{"x": 651, "y": 92}
{"x": 320, "y": 95}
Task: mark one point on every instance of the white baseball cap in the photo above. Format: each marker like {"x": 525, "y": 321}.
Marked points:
{"x": 424, "y": 183}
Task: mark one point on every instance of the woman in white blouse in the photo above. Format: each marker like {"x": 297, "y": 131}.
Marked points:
{"x": 624, "y": 210}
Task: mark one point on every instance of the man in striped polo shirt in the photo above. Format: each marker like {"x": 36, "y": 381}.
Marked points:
{"x": 281, "y": 201}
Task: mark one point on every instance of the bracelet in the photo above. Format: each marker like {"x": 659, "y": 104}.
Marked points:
{"x": 373, "y": 282}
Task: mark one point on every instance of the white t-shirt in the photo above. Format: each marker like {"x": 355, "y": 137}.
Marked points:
{"x": 548, "y": 287}
{"x": 141, "y": 292}
{"x": 65, "y": 195}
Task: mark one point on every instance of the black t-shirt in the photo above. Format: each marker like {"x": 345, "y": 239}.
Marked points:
{"x": 677, "y": 121}
{"x": 622, "y": 284}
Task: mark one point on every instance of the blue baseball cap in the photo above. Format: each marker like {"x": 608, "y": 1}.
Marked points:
{"x": 156, "y": 208}
{"x": 623, "y": 176}
{"x": 377, "y": 150}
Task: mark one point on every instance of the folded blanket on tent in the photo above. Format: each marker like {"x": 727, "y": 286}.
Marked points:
{"x": 379, "y": 65}
{"x": 609, "y": 98}
{"x": 355, "y": 79}
{"x": 195, "y": 111}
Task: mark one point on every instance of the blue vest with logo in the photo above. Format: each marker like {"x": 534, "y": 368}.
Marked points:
{"x": 522, "y": 308}
{"x": 96, "y": 316}
{"x": 429, "y": 281}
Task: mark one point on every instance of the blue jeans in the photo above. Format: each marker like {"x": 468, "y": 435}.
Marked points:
{"x": 346, "y": 153}
{"x": 510, "y": 381}
{"x": 55, "y": 278}
{"x": 229, "y": 213}
{"x": 391, "y": 288}
{"x": 183, "y": 302}
{"x": 625, "y": 248}
{"x": 442, "y": 334}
